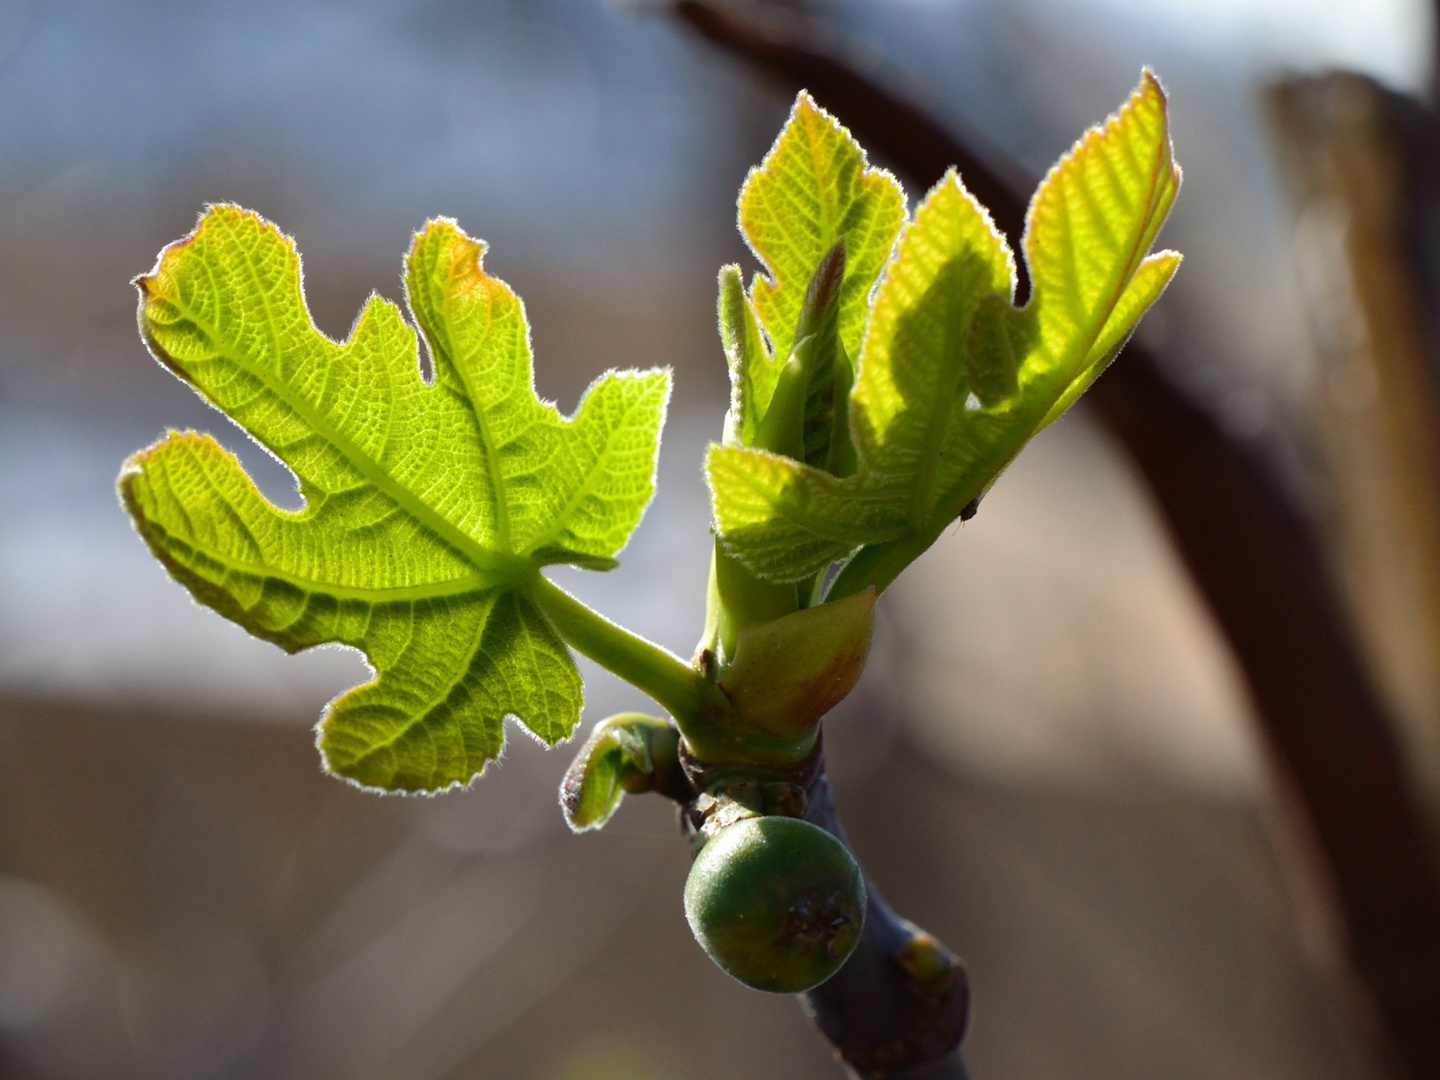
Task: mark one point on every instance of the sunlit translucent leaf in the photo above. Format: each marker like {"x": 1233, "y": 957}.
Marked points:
{"x": 908, "y": 413}
{"x": 752, "y": 370}
{"x": 428, "y": 508}
{"x": 790, "y": 518}
{"x": 1149, "y": 282}
{"x": 814, "y": 188}
{"x": 952, "y": 379}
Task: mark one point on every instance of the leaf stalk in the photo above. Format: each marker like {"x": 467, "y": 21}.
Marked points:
{"x": 677, "y": 686}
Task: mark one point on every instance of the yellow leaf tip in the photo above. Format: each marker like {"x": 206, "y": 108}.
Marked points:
{"x": 232, "y": 214}
{"x": 213, "y": 215}
{"x": 463, "y": 253}
{"x": 805, "y": 103}
{"x": 1149, "y": 80}
{"x": 809, "y": 113}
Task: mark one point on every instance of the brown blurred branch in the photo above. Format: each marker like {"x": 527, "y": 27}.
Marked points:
{"x": 1253, "y": 558}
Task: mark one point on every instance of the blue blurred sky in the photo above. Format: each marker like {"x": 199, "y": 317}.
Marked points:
{"x": 561, "y": 120}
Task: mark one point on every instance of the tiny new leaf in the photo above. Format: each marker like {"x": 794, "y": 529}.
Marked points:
{"x": 429, "y": 509}
{"x": 813, "y": 188}
{"x": 952, "y": 379}
{"x": 814, "y": 191}
{"x": 624, "y": 753}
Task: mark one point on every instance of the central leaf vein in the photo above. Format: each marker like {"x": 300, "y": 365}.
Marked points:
{"x": 466, "y": 546}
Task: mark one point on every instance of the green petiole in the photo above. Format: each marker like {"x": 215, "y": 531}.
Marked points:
{"x": 657, "y": 671}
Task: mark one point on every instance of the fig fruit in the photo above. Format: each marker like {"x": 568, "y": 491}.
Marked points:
{"x": 776, "y": 902}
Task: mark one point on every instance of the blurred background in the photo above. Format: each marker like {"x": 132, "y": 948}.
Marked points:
{"x": 1053, "y": 762}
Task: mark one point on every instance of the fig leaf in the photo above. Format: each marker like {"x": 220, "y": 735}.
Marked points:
{"x": 952, "y": 380}
{"x": 429, "y": 509}
{"x": 814, "y": 188}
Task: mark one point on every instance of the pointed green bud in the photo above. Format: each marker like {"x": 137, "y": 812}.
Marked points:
{"x": 623, "y": 753}
{"x": 821, "y": 305}
{"x": 820, "y": 316}
{"x": 801, "y": 407}
{"x": 783, "y": 429}
{"x": 840, "y": 460}
{"x": 791, "y": 671}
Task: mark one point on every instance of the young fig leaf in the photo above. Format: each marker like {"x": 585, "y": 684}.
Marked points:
{"x": 952, "y": 379}
{"x": 752, "y": 371}
{"x": 429, "y": 509}
{"x": 815, "y": 188}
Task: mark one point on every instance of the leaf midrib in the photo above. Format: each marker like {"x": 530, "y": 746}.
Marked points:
{"x": 482, "y": 420}
{"x": 420, "y": 716}
{"x": 447, "y": 589}
{"x": 503, "y": 564}
{"x": 948, "y": 362}
{"x": 1142, "y": 238}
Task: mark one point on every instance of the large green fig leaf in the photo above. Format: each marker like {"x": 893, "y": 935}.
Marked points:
{"x": 429, "y": 508}
{"x": 953, "y": 379}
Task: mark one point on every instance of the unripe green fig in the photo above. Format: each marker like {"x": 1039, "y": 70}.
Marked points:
{"x": 776, "y": 902}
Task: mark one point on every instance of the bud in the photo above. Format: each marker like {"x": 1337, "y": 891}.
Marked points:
{"x": 622, "y": 754}
{"x": 789, "y": 672}
{"x": 783, "y": 430}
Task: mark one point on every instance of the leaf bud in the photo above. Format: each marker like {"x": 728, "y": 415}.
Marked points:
{"x": 623, "y": 754}
{"x": 931, "y": 966}
{"x": 789, "y": 672}
{"x": 811, "y": 362}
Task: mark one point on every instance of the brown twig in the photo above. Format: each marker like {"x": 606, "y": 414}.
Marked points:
{"x": 1252, "y": 556}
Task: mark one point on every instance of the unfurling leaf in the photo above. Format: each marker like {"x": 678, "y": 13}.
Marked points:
{"x": 625, "y": 753}
{"x": 429, "y": 509}
{"x": 752, "y": 371}
{"x": 952, "y": 380}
